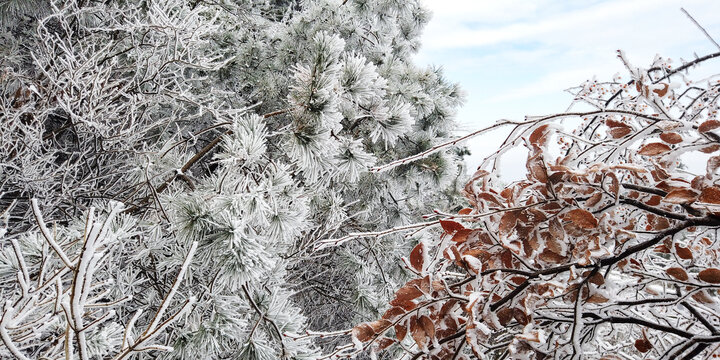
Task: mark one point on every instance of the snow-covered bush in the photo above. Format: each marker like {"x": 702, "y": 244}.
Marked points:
{"x": 608, "y": 249}
{"x": 227, "y": 140}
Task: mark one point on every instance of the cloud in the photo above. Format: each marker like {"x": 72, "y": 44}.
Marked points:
{"x": 516, "y": 57}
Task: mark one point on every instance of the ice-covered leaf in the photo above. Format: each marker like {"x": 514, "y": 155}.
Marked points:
{"x": 708, "y": 126}
{"x": 582, "y": 218}
{"x": 653, "y": 149}
{"x": 711, "y": 275}
{"x": 681, "y": 196}
{"x": 678, "y": 273}
{"x": 417, "y": 257}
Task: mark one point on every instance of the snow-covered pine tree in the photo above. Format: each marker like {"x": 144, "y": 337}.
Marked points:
{"x": 237, "y": 137}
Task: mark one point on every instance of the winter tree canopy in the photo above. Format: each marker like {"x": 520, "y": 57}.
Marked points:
{"x": 169, "y": 168}
{"x": 276, "y": 179}
{"x": 608, "y": 249}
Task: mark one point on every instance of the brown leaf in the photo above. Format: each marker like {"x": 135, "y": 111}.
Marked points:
{"x": 465, "y": 211}
{"x": 418, "y": 332}
{"x": 417, "y": 257}
{"x": 508, "y": 222}
{"x": 662, "y": 92}
{"x": 614, "y": 123}
{"x": 681, "y": 196}
{"x": 614, "y": 183}
{"x": 363, "y": 332}
{"x": 593, "y": 200}
{"x": 536, "y": 169}
{"x": 713, "y": 163}
{"x": 708, "y": 125}
{"x": 383, "y": 343}
{"x": 711, "y": 275}
{"x": 451, "y": 227}
{"x": 428, "y": 326}
{"x": 678, "y": 273}
{"x": 393, "y": 312}
{"x": 653, "y": 200}
{"x": 702, "y": 297}
{"x": 551, "y": 257}
{"x": 505, "y": 315}
{"x": 671, "y": 137}
{"x": 683, "y": 253}
{"x": 597, "y": 279}
{"x": 710, "y": 195}
{"x": 539, "y": 136}
{"x": 654, "y": 149}
{"x": 461, "y": 236}
{"x": 643, "y": 345}
{"x": 379, "y": 326}
{"x": 698, "y": 182}
{"x": 582, "y": 218}
{"x": 408, "y": 292}
{"x": 400, "y": 332}
{"x": 520, "y": 316}
{"x": 710, "y": 149}
{"x": 620, "y": 131}
{"x": 558, "y": 234}
{"x": 597, "y": 299}
{"x": 507, "y": 259}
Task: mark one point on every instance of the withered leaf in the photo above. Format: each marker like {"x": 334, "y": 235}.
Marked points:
{"x": 408, "y": 292}
{"x": 400, "y": 332}
{"x": 539, "y": 136}
{"x": 711, "y": 275}
{"x": 710, "y": 149}
{"x": 593, "y": 200}
{"x": 702, "y": 297}
{"x": 417, "y": 257}
{"x": 508, "y": 222}
{"x": 683, "y": 252}
{"x": 710, "y": 195}
{"x": 536, "y": 169}
{"x": 662, "y": 92}
{"x": 428, "y": 326}
{"x": 597, "y": 279}
{"x": 678, "y": 273}
{"x": 708, "y": 126}
{"x": 643, "y": 345}
{"x": 383, "y": 343}
{"x": 671, "y": 137}
{"x": 418, "y": 332}
{"x": 363, "y": 332}
{"x": 520, "y": 316}
{"x": 614, "y": 123}
{"x": 505, "y": 315}
{"x": 461, "y": 236}
{"x": 681, "y": 196}
{"x": 654, "y": 149}
{"x": 551, "y": 257}
{"x": 597, "y": 299}
{"x": 620, "y": 131}
{"x": 582, "y": 218}
{"x": 393, "y": 312}
{"x": 451, "y": 227}
{"x": 379, "y": 326}
{"x": 614, "y": 183}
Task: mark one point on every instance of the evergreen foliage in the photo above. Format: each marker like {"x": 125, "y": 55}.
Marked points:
{"x": 172, "y": 169}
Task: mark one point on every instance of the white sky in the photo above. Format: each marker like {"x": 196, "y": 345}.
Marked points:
{"x": 515, "y": 58}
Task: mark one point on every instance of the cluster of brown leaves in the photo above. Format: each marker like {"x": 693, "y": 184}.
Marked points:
{"x": 573, "y": 258}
